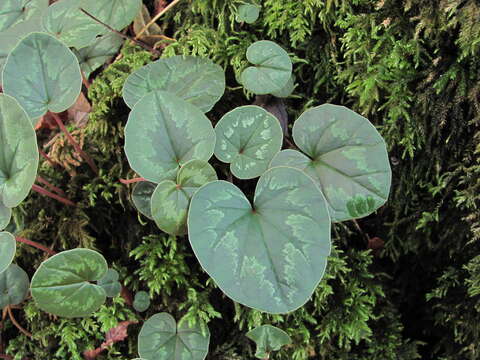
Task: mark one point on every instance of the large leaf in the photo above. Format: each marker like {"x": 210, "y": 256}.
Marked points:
{"x": 13, "y": 286}
{"x": 164, "y": 132}
{"x": 18, "y": 153}
{"x": 42, "y": 74}
{"x": 141, "y": 197}
{"x": 248, "y": 138}
{"x": 171, "y": 200}
{"x": 8, "y": 245}
{"x": 345, "y": 155}
{"x": 14, "y": 12}
{"x": 5, "y": 216}
{"x": 197, "y": 80}
{"x": 62, "y": 284}
{"x": 268, "y": 338}
{"x": 272, "y": 70}
{"x": 270, "y": 256}
{"x": 161, "y": 339}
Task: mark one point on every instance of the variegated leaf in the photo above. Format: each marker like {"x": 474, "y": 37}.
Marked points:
{"x": 268, "y": 338}
{"x": 14, "y": 12}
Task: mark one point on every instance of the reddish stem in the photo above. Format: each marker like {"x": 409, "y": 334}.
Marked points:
{"x": 132, "y": 181}
{"x": 72, "y": 141}
{"x": 35, "y": 245}
{"x": 85, "y": 81}
{"x": 46, "y": 157}
{"x": 45, "y": 192}
{"x": 50, "y": 186}
{"x": 14, "y": 321}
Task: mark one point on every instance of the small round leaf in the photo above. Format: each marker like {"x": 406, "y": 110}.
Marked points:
{"x": 62, "y": 284}
{"x": 42, "y": 74}
{"x": 141, "y": 197}
{"x": 141, "y": 302}
{"x": 161, "y": 339}
{"x": 268, "y": 338}
{"x": 109, "y": 283}
{"x": 272, "y": 70}
{"x": 164, "y": 132}
{"x": 8, "y": 245}
{"x": 248, "y": 138}
{"x": 248, "y": 13}
{"x": 5, "y": 216}
{"x": 270, "y": 257}
{"x": 13, "y": 286}
{"x": 14, "y": 12}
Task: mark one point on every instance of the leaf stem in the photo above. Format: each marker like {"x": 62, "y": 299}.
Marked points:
{"x": 85, "y": 80}
{"x": 46, "y": 157}
{"x": 132, "y": 181}
{"x": 35, "y": 245}
{"x": 156, "y": 17}
{"x": 50, "y": 186}
{"x": 49, "y": 194}
{"x": 14, "y": 321}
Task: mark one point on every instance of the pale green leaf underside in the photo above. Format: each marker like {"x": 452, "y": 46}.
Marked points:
{"x": 271, "y": 257}
{"x": 171, "y": 200}
{"x": 14, "y": 12}
{"x": 18, "y": 153}
{"x": 248, "y": 138}
{"x": 141, "y": 197}
{"x": 161, "y": 339}
{"x": 268, "y": 338}
{"x": 42, "y": 74}
{"x": 272, "y": 69}
{"x": 194, "y": 79}
{"x": 8, "y": 245}
{"x": 141, "y": 302}
{"x": 248, "y": 13}
{"x": 346, "y": 156}
{"x": 164, "y": 132}
{"x": 109, "y": 283}
{"x": 5, "y": 216}
{"x": 13, "y": 286}
{"x": 62, "y": 284}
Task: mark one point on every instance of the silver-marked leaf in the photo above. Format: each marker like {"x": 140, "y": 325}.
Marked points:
{"x": 346, "y": 156}
{"x": 141, "y": 302}
{"x": 109, "y": 283}
{"x": 196, "y": 80}
{"x": 62, "y": 284}
{"x": 161, "y": 339}
{"x": 171, "y": 200}
{"x": 141, "y": 197}
{"x": 248, "y": 138}
{"x": 164, "y": 132}
{"x": 97, "y": 54}
{"x": 271, "y": 256}
{"x": 42, "y": 74}
{"x": 13, "y": 286}
{"x": 268, "y": 338}
{"x": 14, "y": 12}
{"x": 248, "y": 13}
{"x": 18, "y": 153}
{"x": 8, "y": 245}
{"x": 5, "y": 216}
{"x": 272, "y": 70}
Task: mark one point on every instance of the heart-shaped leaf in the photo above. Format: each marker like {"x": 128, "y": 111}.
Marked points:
{"x": 141, "y": 197}
{"x": 268, "y": 338}
{"x": 194, "y": 79}
{"x": 164, "y": 132}
{"x": 248, "y": 13}
{"x": 14, "y": 12}
{"x": 141, "y": 302}
{"x": 248, "y": 138}
{"x": 5, "y": 216}
{"x": 270, "y": 256}
{"x": 8, "y": 245}
{"x": 18, "y": 153}
{"x": 287, "y": 90}
{"x": 161, "y": 339}
{"x": 272, "y": 70}
{"x": 13, "y": 286}
{"x": 42, "y": 74}
{"x": 109, "y": 283}
{"x": 171, "y": 200}
{"x": 62, "y": 284}
{"x": 346, "y": 156}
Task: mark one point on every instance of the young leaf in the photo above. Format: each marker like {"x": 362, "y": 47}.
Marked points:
{"x": 13, "y": 286}
{"x": 14, "y": 12}
{"x": 171, "y": 200}
{"x": 345, "y": 155}
{"x": 8, "y": 245}
{"x": 194, "y": 79}
{"x": 268, "y": 338}
{"x": 248, "y": 138}
{"x": 42, "y": 74}
{"x": 248, "y": 13}
{"x": 272, "y": 70}
{"x": 141, "y": 197}
{"x": 271, "y": 256}
{"x": 5, "y": 216}
{"x": 62, "y": 284}
{"x": 141, "y": 302}
{"x": 164, "y": 132}
{"x": 109, "y": 283}
{"x": 18, "y": 153}
{"x": 161, "y": 339}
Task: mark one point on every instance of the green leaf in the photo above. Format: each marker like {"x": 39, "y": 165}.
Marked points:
{"x": 287, "y": 90}
{"x": 268, "y": 338}
{"x": 194, "y": 79}
{"x": 347, "y": 157}
{"x": 248, "y": 13}
{"x": 171, "y": 200}
{"x": 164, "y": 132}
{"x": 8, "y": 246}
{"x": 18, "y": 153}
{"x": 161, "y": 339}
{"x": 272, "y": 71}
{"x": 13, "y": 286}
{"x": 74, "y": 28}
{"x": 62, "y": 284}
{"x": 97, "y": 54}
{"x": 141, "y": 302}
{"x": 270, "y": 257}
{"x": 109, "y": 283}
{"x": 248, "y": 138}
{"x": 5, "y": 216}
{"x": 42, "y": 74}
{"x": 14, "y": 12}
{"x": 141, "y": 197}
